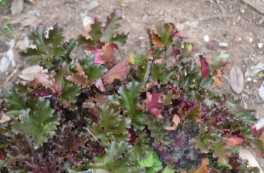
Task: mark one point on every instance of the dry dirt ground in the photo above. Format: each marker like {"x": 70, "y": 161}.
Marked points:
{"x": 226, "y": 21}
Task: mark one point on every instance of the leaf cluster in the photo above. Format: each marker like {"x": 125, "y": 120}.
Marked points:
{"x": 128, "y": 116}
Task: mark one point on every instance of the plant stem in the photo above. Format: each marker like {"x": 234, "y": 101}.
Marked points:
{"x": 165, "y": 53}
{"x": 151, "y": 66}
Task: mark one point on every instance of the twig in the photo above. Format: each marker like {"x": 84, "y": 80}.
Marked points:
{"x": 165, "y": 53}
{"x": 7, "y": 79}
{"x": 214, "y": 16}
{"x": 92, "y": 134}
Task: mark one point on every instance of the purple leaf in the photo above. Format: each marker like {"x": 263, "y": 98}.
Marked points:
{"x": 204, "y": 67}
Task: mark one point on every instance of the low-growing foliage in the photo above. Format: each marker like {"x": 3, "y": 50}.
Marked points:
{"x": 128, "y": 116}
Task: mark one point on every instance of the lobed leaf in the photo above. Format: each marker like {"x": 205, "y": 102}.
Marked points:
{"x": 39, "y": 121}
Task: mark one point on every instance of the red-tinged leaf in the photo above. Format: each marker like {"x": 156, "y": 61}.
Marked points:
{"x": 204, "y": 67}
{"x": 236, "y": 79}
{"x": 176, "y": 120}
{"x": 176, "y": 52}
{"x": 154, "y": 104}
{"x": 256, "y": 132}
{"x": 98, "y": 58}
{"x": 176, "y": 33}
{"x": 119, "y": 71}
{"x": 99, "y": 84}
{"x": 57, "y": 89}
{"x": 79, "y": 79}
{"x": 202, "y": 168}
{"x": 43, "y": 79}
{"x": 42, "y": 92}
{"x": 234, "y": 141}
{"x": 90, "y": 47}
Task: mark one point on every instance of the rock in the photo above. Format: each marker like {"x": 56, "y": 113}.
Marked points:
{"x": 250, "y": 39}
{"x": 254, "y": 70}
{"x": 222, "y": 44}
{"x": 261, "y": 91}
{"x": 87, "y": 21}
{"x": 257, "y": 4}
{"x": 92, "y": 5}
{"x": 206, "y": 38}
{"x": 246, "y": 154}
{"x": 260, "y": 45}
{"x": 249, "y": 79}
{"x": 161, "y": 13}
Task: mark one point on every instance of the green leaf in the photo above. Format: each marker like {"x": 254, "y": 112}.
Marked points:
{"x": 257, "y": 143}
{"x": 141, "y": 147}
{"x": 112, "y": 28}
{"x": 3, "y": 2}
{"x": 13, "y": 103}
{"x": 220, "y": 57}
{"x": 220, "y": 164}
{"x": 137, "y": 58}
{"x": 242, "y": 114}
{"x": 193, "y": 113}
{"x": 68, "y": 95}
{"x": 39, "y": 122}
{"x": 163, "y": 37}
{"x": 147, "y": 162}
{"x": 69, "y": 91}
{"x": 113, "y": 161}
{"x": 168, "y": 170}
{"x": 68, "y": 47}
{"x": 93, "y": 71}
{"x": 221, "y": 151}
{"x": 157, "y": 164}
{"x": 141, "y": 73}
{"x": 47, "y": 48}
{"x": 95, "y": 34}
{"x": 129, "y": 98}
{"x": 202, "y": 146}
{"x": 162, "y": 72}
{"x": 115, "y": 125}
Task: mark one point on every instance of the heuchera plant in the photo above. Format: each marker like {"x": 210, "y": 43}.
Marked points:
{"x": 128, "y": 116}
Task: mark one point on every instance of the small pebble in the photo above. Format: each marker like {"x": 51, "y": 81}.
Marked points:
{"x": 161, "y": 13}
{"x": 247, "y": 87}
{"x": 250, "y": 39}
{"x": 260, "y": 45}
{"x": 248, "y": 79}
{"x": 206, "y": 38}
{"x": 221, "y": 44}
{"x": 255, "y": 80}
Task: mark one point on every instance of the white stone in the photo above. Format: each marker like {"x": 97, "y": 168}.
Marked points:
{"x": 206, "y": 38}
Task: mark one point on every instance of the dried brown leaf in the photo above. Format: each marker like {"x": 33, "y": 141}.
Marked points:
{"x": 4, "y": 118}
{"x": 79, "y": 68}
{"x": 217, "y": 78}
{"x": 124, "y": 4}
{"x": 176, "y": 120}
{"x": 119, "y": 71}
{"x": 79, "y": 79}
{"x": 236, "y": 79}
{"x": 108, "y": 52}
{"x": 99, "y": 84}
{"x": 201, "y": 168}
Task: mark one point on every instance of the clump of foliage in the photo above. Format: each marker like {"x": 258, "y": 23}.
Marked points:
{"x": 128, "y": 116}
